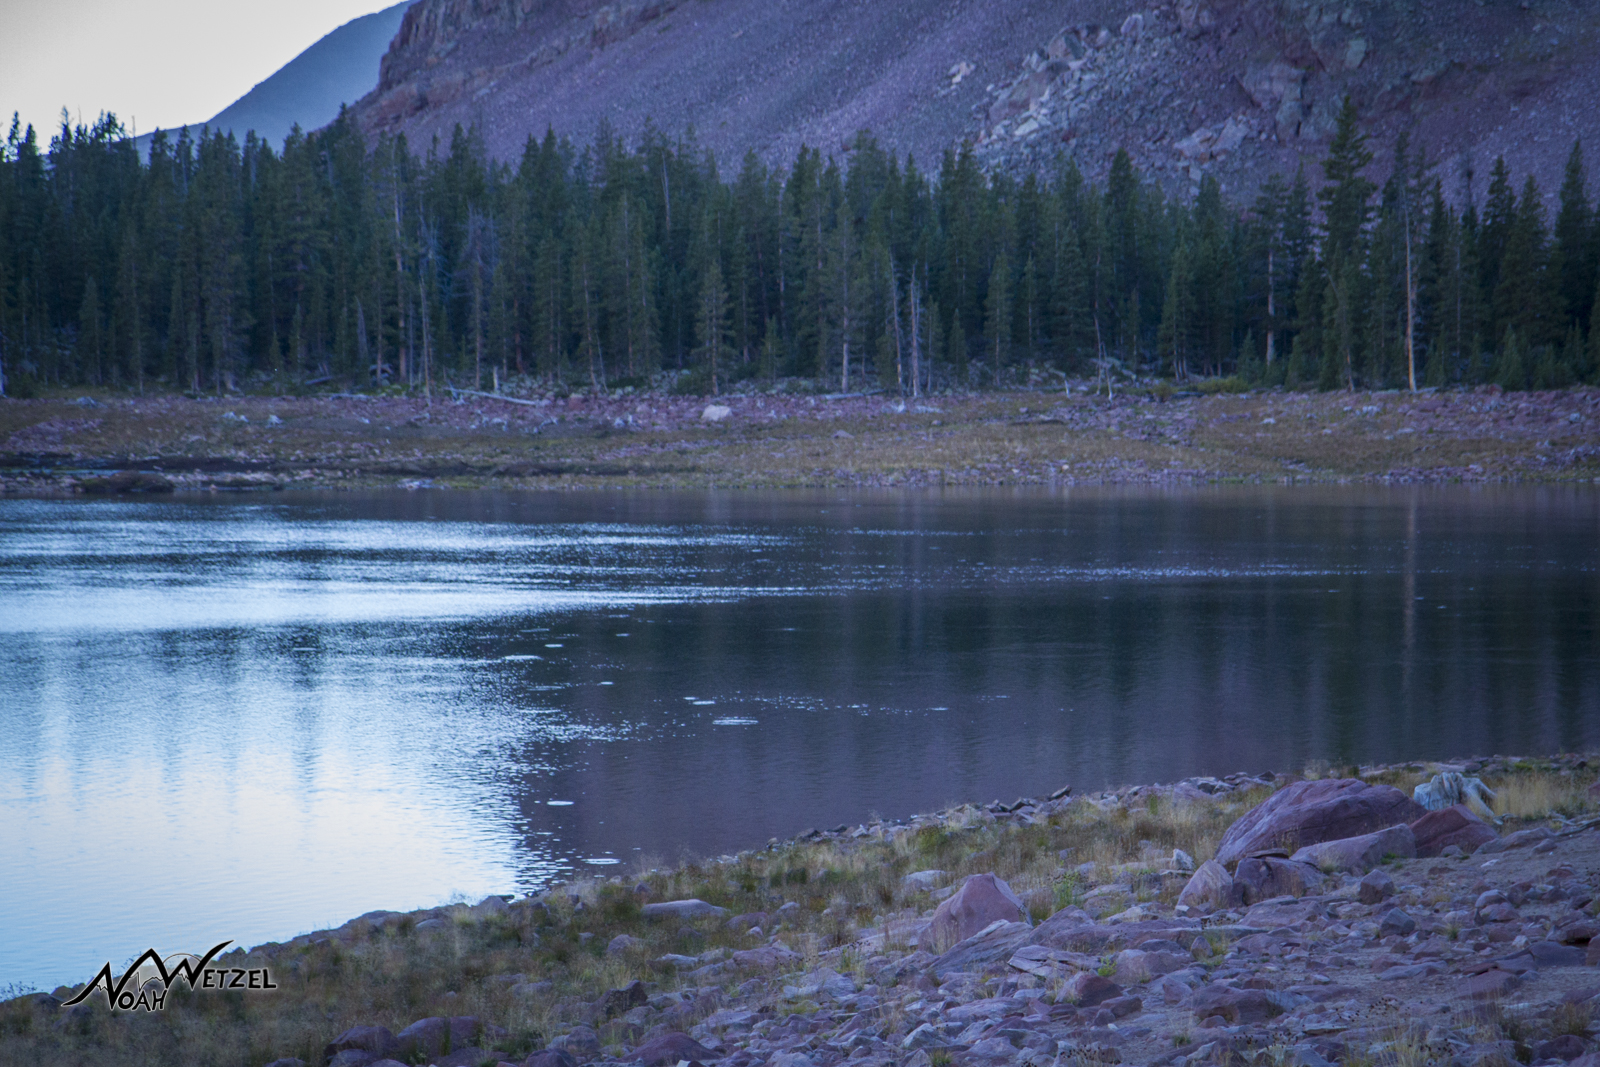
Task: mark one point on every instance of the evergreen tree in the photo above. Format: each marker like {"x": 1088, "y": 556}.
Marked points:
{"x": 997, "y": 314}
{"x": 1509, "y": 371}
{"x": 1573, "y": 256}
{"x": 712, "y": 329}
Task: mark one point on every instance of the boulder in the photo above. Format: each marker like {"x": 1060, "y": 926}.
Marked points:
{"x": 1263, "y": 878}
{"x": 616, "y": 1001}
{"x": 1397, "y": 924}
{"x": 581, "y": 1043}
{"x": 922, "y": 881}
{"x": 462, "y": 1057}
{"x": 1555, "y": 954}
{"x": 982, "y": 899}
{"x": 1308, "y": 813}
{"x": 1210, "y": 888}
{"x": 1375, "y": 887}
{"x": 375, "y": 1039}
{"x": 622, "y": 945}
{"x": 1454, "y": 825}
{"x": 1135, "y": 966}
{"x": 1520, "y": 839}
{"x": 681, "y": 909}
{"x": 670, "y": 1048}
{"x": 991, "y": 944}
{"x": 1360, "y": 853}
{"x": 1490, "y": 985}
{"x": 716, "y": 412}
{"x": 550, "y": 1057}
{"x": 1086, "y": 989}
{"x": 1243, "y": 1006}
{"x": 1565, "y": 1047}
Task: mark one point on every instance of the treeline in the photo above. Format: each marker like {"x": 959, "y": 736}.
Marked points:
{"x": 216, "y": 266}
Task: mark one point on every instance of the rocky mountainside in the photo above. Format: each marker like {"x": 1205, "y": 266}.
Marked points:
{"x": 1239, "y": 87}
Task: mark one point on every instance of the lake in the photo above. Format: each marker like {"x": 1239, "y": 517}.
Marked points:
{"x": 246, "y": 717}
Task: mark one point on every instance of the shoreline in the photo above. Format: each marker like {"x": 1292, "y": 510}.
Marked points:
{"x": 1108, "y": 954}
{"x": 790, "y": 439}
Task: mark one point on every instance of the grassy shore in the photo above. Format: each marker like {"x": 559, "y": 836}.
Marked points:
{"x": 837, "y": 899}
{"x": 785, "y": 438}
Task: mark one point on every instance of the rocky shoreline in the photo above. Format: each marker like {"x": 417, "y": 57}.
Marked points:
{"x": 1072, "y": 435}
{"x": 1334, "y": 921}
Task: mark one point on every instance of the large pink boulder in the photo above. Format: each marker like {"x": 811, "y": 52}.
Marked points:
{"x": 1454, "y": 825}
{"x": 981, "y": 900}
{"x": 1307, "y": 813}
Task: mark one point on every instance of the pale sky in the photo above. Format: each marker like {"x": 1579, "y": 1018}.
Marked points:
{"x": 159, "y": 62}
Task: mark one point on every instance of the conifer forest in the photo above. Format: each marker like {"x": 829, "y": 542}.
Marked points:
{"x": 340, "y": 263}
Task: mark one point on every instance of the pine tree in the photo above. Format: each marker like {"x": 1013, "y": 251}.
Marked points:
{"x": 1177, "y": 314}
{"x": 712, "y": 328}
{"x": 91, "y": 334}
{"x": 1573, "y": 256}
{"x": 1509, "y": 372}
{"x": 997, "y": 314}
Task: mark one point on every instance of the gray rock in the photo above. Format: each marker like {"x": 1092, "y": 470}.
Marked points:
{"x": 682, "y": 909}
{"x": 378, "y": 1040}
{"x": 581, "y": 1043}
{"x": 990, "y": 945}
{"x": 550, "y": 1057}
{"x": 353, "y": 1057}
{"x": 1360, "y": 853}
{"x": 1210, "y": 888}
{"x": 1264, "y": 878}
{"x": 429, "y": 1036}
{"x": 622, "y": 945}
{"x": 1243, "y": 1006}
{"x": 616, "y": 1001}
{"x": 670, "y": 1048}
{"x": 1520, "y": 839}
{"x": 1397, "y": 923}
{"x": 1087, "y": 990}
{"x": 924, "y": 1036}
{"x": 922, "y": 881}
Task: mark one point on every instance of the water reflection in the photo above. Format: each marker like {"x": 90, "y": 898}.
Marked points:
{"x": 243, "y": 719}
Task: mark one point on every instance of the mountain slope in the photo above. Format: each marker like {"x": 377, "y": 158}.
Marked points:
{"x": 309, "y": 89}
{"x": 1236, "y": 87}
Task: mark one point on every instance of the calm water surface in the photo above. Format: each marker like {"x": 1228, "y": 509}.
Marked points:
{"x": 250, "y": 717}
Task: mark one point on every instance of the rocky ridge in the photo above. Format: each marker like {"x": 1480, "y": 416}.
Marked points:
{"x": 1239, "y": 88}
{"x": 1456, "y": 942}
